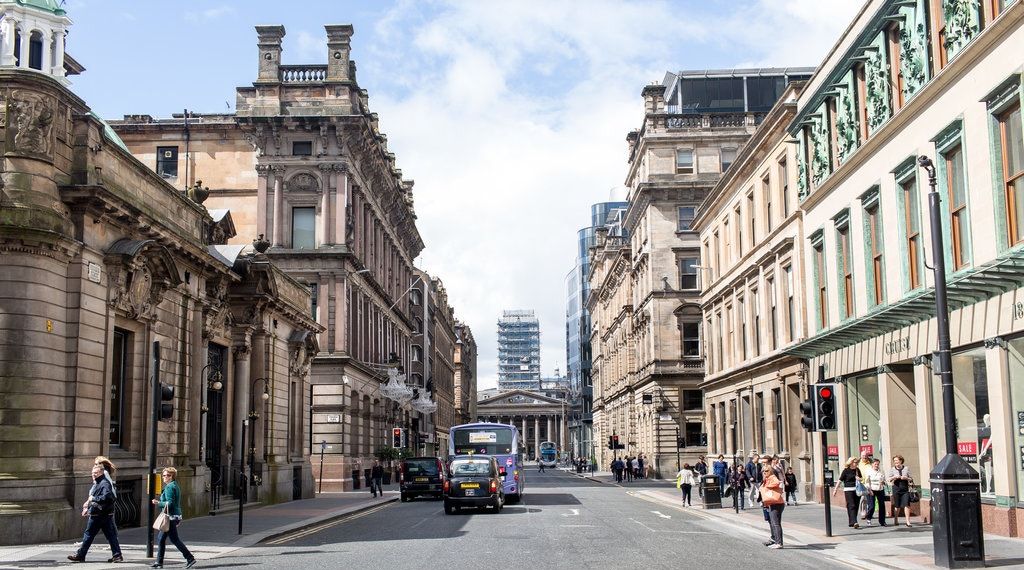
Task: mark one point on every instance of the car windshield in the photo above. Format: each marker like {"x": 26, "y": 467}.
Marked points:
{"x": 421, "y": 467}
{"x": 471, "y": 468}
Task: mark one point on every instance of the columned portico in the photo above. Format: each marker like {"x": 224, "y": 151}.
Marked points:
{"x": 537, "y": 417}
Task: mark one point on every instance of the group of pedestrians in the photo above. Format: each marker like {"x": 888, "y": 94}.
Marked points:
{"x": 864, "y": 482}
{"x": 629, "y": 468}
{"x": 99, "y": 509}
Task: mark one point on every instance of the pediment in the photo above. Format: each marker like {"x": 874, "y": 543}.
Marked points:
{"x": 519, "y": 398}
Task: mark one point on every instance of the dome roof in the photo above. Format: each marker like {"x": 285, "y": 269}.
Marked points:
{"x": 51, "y": 6}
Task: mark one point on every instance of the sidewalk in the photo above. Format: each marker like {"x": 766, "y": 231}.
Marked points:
{"x": 209, "y": 536}
{"x": 804, "y": 528}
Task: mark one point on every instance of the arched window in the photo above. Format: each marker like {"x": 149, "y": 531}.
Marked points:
{"x": 35, "y": 50}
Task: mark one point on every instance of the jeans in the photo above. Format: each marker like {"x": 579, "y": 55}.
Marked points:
{"x": 173, "y": 535}
{"x": 741, "y": 494}
{"x": 791, "y": 494}
{"x": 753, "y": 493}
{"x": 375, "y": 486}
{"x": 775, "y": 522}
{"x": 852, "y": 506}
{"x": 870, "y": 511}
{"x": 687, "y": 490}
{"x": 96, "y": 524}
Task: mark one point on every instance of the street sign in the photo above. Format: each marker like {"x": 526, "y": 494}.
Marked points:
{"x": 334, "y": 418}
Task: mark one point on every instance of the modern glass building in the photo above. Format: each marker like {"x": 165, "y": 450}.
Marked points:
{"x": 729, "y": 90}
{"x": 577, "y": 325}
{"x": 518, "y": 350}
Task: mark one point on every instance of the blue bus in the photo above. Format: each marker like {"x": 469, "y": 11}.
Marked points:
{"x": 498, "y": 440}
{"x": 548, "y": 454}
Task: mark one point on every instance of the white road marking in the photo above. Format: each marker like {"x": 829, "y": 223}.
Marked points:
{"x": 575, "y": 513}
{"x": 643, "y": 525}
{"x": 661, "y": 515}
{"x": 577, "y": 526}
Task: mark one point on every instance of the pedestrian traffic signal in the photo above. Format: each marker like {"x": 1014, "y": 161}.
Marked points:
{"x": 166, "y": 401}
{"x": 396, "y": 439}
{"x": 680, "y": 442}
{"x": 807, "y": 414}
{"x": 825, "y": 407}
{"x": 611, "y": 442}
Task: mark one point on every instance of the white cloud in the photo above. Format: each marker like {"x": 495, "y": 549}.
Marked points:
{"x": 310, "y": 47}
{"x": 209, "y": 14}
{"x": 512, "y": 117}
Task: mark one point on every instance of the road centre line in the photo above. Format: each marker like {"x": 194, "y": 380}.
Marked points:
{"x": 318, "y": 528}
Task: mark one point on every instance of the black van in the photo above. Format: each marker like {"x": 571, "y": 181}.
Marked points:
{"x": 421, "y": 476}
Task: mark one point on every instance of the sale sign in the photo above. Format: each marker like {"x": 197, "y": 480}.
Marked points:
{"x": 833, "y": 452}
{"x": 868, "y": 448}
{"x": 968, "y": 448}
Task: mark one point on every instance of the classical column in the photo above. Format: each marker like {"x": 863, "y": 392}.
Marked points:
{"x": 549, "y": 436}
{"x": 262, "y": 175}
{"x": 536, "y": 436}
{"x": 23, "y": 49}
{"x": 240, "y": 393}
{"x": 7, "y": 48}
{"x": 58, "y": 54}
{"x": 277, "y": 240}
{"x": 341, "y": 199}
{"x": 523, "y": 438}
{"x": 325, "y": 217}
{"x": 561, "y": 431}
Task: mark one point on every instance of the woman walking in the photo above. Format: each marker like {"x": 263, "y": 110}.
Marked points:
{"x": 848, "y": 482}
{"x": 772, "y": 499}
{"x": 900, "y": 479}
{"x": 790, "y": 485}
{"x": 99, "y": 507}
{"x": 874, "y": 480}
{"x": 740, "y": 483}
{"x": 684, "y": 480}
{"x": 170, "y": 499}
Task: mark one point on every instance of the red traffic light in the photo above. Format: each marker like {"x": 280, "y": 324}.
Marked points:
{"x": 398, "y": 431}
{"x": 825, "y": 392}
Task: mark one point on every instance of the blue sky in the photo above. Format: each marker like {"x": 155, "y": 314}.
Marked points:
{"x": 510, "y": 116}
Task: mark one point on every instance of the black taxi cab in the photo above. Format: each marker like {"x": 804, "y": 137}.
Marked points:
{"x": 473, "y": 481}
{"x": 421, "y": 476}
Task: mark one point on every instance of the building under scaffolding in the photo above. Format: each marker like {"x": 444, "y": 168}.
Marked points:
{"x": 518, "y": 351}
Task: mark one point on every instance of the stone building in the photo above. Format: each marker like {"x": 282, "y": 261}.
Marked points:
{"x": 538, "y": 417}
{"x": 115, "y": 278}
{"x": 905, "y": 80}
{"x": 752, "y": 300}
{"x": 645, "y": 289}
{"x": 303, "y": 163}
{"x": 465, "y": 374}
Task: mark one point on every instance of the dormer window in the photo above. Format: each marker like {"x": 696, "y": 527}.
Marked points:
{"x": 302, "y": 148}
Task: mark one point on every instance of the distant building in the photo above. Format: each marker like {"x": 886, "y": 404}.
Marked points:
{"x": 518, "y": 350}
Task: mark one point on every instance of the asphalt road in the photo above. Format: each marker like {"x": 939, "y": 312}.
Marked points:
{"x": 564, "y": 522}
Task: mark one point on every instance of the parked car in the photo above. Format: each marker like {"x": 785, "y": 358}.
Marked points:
{"x": 421, "y": 476}
{"x": 473, "y": 481}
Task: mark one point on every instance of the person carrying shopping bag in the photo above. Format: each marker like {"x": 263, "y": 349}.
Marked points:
{"x": 685, "y": 481}
{"x": 772, "y": 499}
{"x": 170, "y": 503}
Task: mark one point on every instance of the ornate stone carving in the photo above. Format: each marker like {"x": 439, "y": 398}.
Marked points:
{"x": 263, "y": 169}
{"x": 962, "y": 24}
{"x": 821, "y": 163}
{"x": 216, "y": 315}
{"x": 847, "y": 126}
{"x": 300, "y": 362}
{"x": 303, "y": 182}
{"x": 140, "y": 273}
{"x": 801, "y": 170}
{"x": 913, "y": 48}
{"x": 30, "y": 123}
{"x": 877, "y": 86}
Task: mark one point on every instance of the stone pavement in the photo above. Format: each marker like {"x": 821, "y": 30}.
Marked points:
{"x": 804, "y": 528}
{"x": 209, "y": 536}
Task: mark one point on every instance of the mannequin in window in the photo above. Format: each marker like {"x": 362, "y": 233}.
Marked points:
{"x": 985, "y": 454}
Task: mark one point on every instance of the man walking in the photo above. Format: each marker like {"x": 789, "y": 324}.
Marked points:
{"x": 376, "y": 478}
{"x": 100, "y": 510}
{"x": 753, "y": 475}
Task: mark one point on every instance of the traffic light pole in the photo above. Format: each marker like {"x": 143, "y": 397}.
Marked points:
{"x": 827, "y": 497}
{"x": 153, "y": 432}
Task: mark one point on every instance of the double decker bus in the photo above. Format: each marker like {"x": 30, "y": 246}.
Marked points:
{"x": 548, "y": 454}
{"x": 500, "y": 441}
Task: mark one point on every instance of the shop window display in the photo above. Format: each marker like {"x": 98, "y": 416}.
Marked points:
{"x": 862, "y": 416}
{"x": 1016, "y": 366}
{"x": 974, "y": 437}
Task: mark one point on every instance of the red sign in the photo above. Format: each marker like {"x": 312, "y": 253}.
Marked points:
{"x": 967, "y": 448}
{"x": 868, "y": 448}
{"x": 833, "y": 451}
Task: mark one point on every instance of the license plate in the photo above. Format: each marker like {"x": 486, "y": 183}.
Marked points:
{"x": 422, "y": 479}
{"x": 471, "y": 485}
{"x": 470, "y": 492}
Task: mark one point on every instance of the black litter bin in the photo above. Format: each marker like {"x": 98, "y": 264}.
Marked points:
{"x": 712, "y": 488}
{"x": 957, "y": 533}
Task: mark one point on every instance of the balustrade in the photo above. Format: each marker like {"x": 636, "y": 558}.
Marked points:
{"x": 303, "y": 73}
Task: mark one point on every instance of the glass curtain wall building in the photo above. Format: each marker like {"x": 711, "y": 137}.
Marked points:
{"x": 518, "y": 350}
{"x": 577, "y": 325}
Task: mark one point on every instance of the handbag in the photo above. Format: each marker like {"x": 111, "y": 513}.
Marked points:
{"x": 861, "y": 489}
{"x": 163, "y": 521}
{"x": 728, "y": 491}
{"x": 915, "y": 495}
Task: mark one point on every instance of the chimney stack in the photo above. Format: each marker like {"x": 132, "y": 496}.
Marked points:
{"x": 269, "y": 44}
{"x": 339, "y": 52}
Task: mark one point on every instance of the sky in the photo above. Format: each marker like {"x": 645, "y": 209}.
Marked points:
{"x": 510, "y": 116}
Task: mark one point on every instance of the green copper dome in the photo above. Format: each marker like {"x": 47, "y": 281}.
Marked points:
{"x": 51, "y": 6}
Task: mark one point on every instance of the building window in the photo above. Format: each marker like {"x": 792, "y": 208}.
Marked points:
{"x": 728, "y": 157}
{"x": 821, "y": 282}
{"x": 719, "y": 342}
{"x": 712, "y": 363}
{"x": 873, "y": 221}
{"x": 684, "y": 218}
{"x": 691, "y": 338}
{"x": 693, "y": 433}
{"x": 417, "y": 353}
{"x": 684, "y": 161}
{"x": 896, "y": 82}
{"x": 303, "y": 228}
{"x": 1011, "y": 141}
{"x": 761, "y": 423}
{"x": 415, "y": 297}
{"x": 845, "y": 263}
{"x": 741, "y": 316}
{"x": 688, "y": 274}
{"x": 766, "y": 193}
{"x": 773, "y": 314}
{"x": 790, "y": 304}
{"x": 167, "y": 161}
{"x": 302, "y": 148}
{"x": 738, "y": 224}
{"x": 755, "y": 309}
{"x": 780, "y": 438}
{"x": 693, "y": 400}
{"x": 956, "y": 185}
{"x": 752, "y": 219}
{"x": 912, "y": 231}
{"x": 35, "y": 51}
{"x": 119, "y": 394}
{"x": 314, "y": 298}
{"x": 784, "y": 185}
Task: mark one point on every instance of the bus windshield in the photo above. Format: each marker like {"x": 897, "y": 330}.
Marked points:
{"x": 483, "y": 440}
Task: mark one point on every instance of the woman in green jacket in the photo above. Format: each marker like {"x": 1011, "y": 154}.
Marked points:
{"x": 170, "y": 499}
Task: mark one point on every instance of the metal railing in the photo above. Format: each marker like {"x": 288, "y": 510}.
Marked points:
{"x": 126, "y": 504}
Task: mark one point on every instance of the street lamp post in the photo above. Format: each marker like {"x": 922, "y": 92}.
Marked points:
{"x": 249, "y": 422}
{"x": 957, "y": 537}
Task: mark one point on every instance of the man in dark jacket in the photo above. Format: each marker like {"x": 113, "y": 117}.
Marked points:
{"x": 100, "y": 510}
{"x": 376, "y": 478}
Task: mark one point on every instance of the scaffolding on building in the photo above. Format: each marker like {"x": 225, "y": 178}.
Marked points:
{"x": 518, "y": 350}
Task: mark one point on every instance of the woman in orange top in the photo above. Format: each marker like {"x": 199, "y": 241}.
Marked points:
{"x": 773, "y": 499}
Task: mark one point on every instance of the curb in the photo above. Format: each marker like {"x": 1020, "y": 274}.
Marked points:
{"x": 274, "y": 533}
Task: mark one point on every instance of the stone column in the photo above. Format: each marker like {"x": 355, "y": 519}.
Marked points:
{"x": 549, "y": 435}
{"x": 523, "y": 438}
{"x": 277, "y": 240}
{"x": 240, "y": 394}
{"x": 262, "y": 173}
{"x": 341, "y": 331}
{"x": 536, "y": 436}
{"x": 325, "y": 217}
{"x": 58, "y": 54}
{"x": 7, "y": 49}
{"x": 23, "y": 49}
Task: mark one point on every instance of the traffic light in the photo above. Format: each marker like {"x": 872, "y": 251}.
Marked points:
{"x": 611, "y": 442}
{"x": 166, "y": 401}
{"x": 680, "y": 442}
{"x": 807, "y": 413}
{"x": 615, "y": 442}
{"x": 396, "y": 439}
{"x": 825, "y": 407}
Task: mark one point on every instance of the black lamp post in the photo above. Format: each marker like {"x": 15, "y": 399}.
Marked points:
{"x": 249, "y": 422}
{"x": 957, "y": 536}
